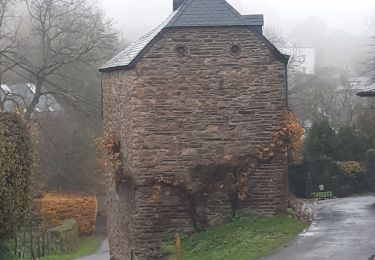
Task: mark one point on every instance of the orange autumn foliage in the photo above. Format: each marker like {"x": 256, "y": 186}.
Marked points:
{"x": 109, "y": 154}
{"x": 296, "y": 134}
{"x": 57, "y": 208}
{"x": 290, "y": 135}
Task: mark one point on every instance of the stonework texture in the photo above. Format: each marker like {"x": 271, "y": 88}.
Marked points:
{"x": 175, "y": 112}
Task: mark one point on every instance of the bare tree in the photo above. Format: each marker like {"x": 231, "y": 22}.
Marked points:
{"x": 275, "y": 37}
{"x": 372, "y": 59}
{"x": 63, "y": 34}
{"x": 8, "y": 31}
{"x": 60, "y": 44}
{"x": 299, "y": 87}
{"x": 311, "y": 96}
{"x": 9, "y": 27}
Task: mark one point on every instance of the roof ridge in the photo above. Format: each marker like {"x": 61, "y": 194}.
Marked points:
{"x": 233, "y": 10}
{"x": 199, "y": 13}
{"x": 183, "y": 8}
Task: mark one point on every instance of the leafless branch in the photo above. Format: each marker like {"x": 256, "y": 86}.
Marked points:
{"x": 63, "y": 34}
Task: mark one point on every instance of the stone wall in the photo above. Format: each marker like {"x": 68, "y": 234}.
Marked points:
{"x": 117, "y": 91}
{"x": 174, "y": 113}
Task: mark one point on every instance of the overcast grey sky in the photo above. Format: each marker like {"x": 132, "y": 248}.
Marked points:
{"x": 137, "y": 17}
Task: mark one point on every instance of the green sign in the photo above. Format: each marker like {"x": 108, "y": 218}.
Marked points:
{"x": 322, "y": 195}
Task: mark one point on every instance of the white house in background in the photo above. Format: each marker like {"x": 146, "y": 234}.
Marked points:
{"x": 355, "y": 84}
{"x": 23, "y": 95}
{"x": 368, "y": 95}
{"x": 361, "y": 83}
{"x": 303, "y": 59}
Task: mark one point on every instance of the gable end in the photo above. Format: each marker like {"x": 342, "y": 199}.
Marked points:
{"x": 281, "y": 57}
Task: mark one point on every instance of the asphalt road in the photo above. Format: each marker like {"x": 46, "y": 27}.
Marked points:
{"x": 344, "y": 229}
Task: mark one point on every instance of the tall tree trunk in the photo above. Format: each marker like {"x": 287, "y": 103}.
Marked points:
{"x": 34, "y": 102}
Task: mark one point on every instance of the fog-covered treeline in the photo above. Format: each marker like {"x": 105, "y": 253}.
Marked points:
{"x": 343, "y": 66}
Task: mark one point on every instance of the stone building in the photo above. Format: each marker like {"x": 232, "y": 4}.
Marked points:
{"x": 204, "y": 85}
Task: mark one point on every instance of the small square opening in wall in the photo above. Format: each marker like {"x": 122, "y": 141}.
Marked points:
{"x": 181, "y": 50}
{"x": 235, "y": 50}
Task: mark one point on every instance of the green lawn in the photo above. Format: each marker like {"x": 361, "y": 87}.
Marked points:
{"x": 245, "y": 238}
{"x": 86, "y": 246}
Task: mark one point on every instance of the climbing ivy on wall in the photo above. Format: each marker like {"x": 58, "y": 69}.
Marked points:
{"x": 16, "y": 162}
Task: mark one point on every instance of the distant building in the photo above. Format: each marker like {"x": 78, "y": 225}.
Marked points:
{"x": 369, "y": 91}
{"x": 356, "y": 85}
{"x": 359, "y": 83}
{"x": 22, "y": 94}
{"x": 368, "y": 95}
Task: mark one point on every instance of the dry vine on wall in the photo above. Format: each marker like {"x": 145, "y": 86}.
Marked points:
{"x": 232, "y": 175}
{"x": 110, "y": 157}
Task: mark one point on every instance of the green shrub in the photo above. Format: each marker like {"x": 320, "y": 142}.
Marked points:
{"x": 350, "y": 167}
{"x": 321, "y": 142}
{"x": 65, "y": 236}
{"x": 370, "y": 160}
{"x": 6, "y": 251}
{"x": 15, "y": 174}
{"x": 340, "y": 159}
{"x": 352, "y": 145}
{"x": 343, "y": 144}
{"x": 342, "y": 178}
{"x": 370, "y": 154}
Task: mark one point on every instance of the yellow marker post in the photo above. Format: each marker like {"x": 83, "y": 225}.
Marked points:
{"x": 178, "y": 246}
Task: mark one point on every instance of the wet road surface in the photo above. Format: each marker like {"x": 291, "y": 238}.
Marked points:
{"x": 343, "y": 229}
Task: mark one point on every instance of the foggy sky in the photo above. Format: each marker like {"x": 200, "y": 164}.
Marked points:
{"x": 137, "y": 17}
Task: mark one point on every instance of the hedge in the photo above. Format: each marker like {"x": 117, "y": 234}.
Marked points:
{"x": 65, "y": 236}
{"x": 16, "y": 164}
{"x": 57, "y": 208}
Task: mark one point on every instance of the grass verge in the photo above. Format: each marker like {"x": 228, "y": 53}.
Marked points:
{"x": 86, "y": 246}
{"x": 245, "y": 238}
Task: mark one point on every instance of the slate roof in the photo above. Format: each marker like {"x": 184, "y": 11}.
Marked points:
{"x": 255, "y": 19}
{"x": 367, "y": 92}
{"x": 125, "y": 57}
{"x": 191, "y": 13}
{"x": 207, "y": 13}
